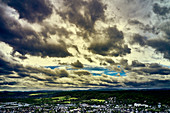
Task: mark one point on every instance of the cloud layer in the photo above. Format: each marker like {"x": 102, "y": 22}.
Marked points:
{"x": 129, "y": 36}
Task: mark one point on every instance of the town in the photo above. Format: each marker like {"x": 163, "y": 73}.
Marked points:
{"x": 111, "y": 105}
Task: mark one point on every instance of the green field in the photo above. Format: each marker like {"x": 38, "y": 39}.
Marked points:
{"x": 151, "y": 97}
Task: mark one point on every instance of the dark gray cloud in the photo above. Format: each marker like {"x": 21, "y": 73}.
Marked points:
{"x": 92, "y": 11}
{"x": 8, "y": 83}
{"x": 138, "y": 39}
{"x": 144, "y": 68}
{"x": 77, "y": 64}
{"x": 7, "y": 68}
{"x": 110, "y": 61}
{"x": 157, "y": 9}
{"x": 155, "y": 65}
{"x": 22, "y": 57}
{"x": 166, "y": 29}
{"x": 162, "y": 46}
{"x": 12, "y": 33}
{"x": 152, "y": 68}
{"x": 63, "y": 73}
{"x": 82, "y": 72}
{"x": 54, "y": 30}
{"x": 23, "y": 74}
{"x": 103, "y": 84}
{"x": 135, "y": 22}
{"x": 160, "y": 71}
{"x": 88, "y": 58}
{"x": 115, "y": 42}
{"x": 37, "y": 48}
{"x": 12, "y": 88}
{"x": 124, "y": 62}
{"x": 137, "y": 64}
{"x": 114, "y": 34}
{"x": 31, "y": 10}
{"x": 145, "y": 27}
{"x": 135, "y": 84}
{"x": 9, "y": 27}
{"x": 153, "y": 83}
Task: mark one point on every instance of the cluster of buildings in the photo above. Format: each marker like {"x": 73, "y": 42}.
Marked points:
{"x": 109, "y": 106}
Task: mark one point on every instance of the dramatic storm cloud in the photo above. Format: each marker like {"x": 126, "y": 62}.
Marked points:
{"x": 84, "y": 44}
{"x": 33, "y": 11}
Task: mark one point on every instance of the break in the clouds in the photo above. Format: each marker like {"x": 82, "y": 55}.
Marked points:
{"x": 84, "y": 44}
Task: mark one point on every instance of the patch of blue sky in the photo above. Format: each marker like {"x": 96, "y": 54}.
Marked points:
{"x": 96, "y": 74}
{"x": 52, "y": 67}
{"x": 96, "y": 71}
{"x": 165, "y": 66}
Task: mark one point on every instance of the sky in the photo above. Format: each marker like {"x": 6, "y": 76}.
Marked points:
{"x": 84, "y": 44}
